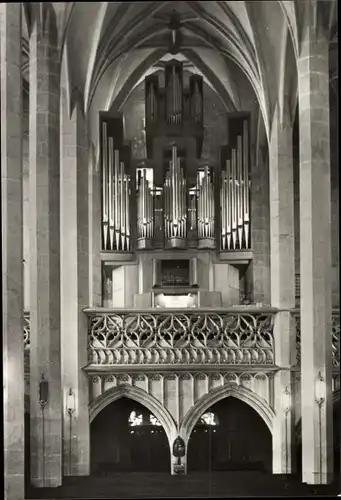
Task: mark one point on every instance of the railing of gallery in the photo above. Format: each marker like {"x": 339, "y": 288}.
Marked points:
{"x": 167, "y": 337}
{"x": 335, "y": 332}
{"x": 177, "y": 337}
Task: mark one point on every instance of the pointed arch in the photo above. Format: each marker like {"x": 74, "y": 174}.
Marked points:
{"x": 140, "y": 396}
{"x": 215, "y": 395}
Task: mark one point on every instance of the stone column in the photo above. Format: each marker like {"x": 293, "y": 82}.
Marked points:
{"x": 260, "y": 232}
{"x": 46, "y": 427}
{"x": 282, "y": 281}
{"x": 315, "y": 252}
{"x": 95, "y": 224}
{"x": 12, "y": 249}
{"x": 74, "y": 284}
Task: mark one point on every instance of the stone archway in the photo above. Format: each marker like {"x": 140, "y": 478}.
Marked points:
{"x": 215, "y": 395}
{"x": 140, "y": 396}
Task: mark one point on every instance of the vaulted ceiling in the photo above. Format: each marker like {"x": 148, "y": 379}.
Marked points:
{"x": 107, "y": 47}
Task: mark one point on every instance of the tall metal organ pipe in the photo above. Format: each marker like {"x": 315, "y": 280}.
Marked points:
{"x": 174, "y": 98}
{"x": 105, "y": 186}
{"x": 145, "y": 211}
{"x": 115, "y": 198}
{"x": 206, "y": 212}
{"x": 234, "y": 196}
{"x": 197, "y": 104}
{"x": 175, "y": 200}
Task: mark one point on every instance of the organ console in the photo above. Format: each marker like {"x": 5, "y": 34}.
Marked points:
{"x": 174, "y": 200}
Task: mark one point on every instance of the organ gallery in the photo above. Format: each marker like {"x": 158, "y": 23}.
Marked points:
{"x": 173, "y": 200}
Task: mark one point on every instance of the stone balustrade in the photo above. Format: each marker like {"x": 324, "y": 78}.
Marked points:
{"x": 170, "y": 337}
{"x": 167, "y": 337}
{"x": 335, "y": 332}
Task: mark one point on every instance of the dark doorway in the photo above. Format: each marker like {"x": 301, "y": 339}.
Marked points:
{"x": 125, "y": 436}
{"x": 230, "y": 436}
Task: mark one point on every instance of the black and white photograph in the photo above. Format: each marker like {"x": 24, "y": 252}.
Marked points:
{"x": 170, "y": 249}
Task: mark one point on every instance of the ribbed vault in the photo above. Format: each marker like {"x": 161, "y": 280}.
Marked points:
{"x": 107, "y": 44}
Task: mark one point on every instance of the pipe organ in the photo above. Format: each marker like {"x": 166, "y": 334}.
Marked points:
{"x": 174, "y": 94}
{"x": 145, "y": 211}
{"x": 116, "y": 192}
{"x": 174, "y": 199}
{"x": 205, "y": 201}
{"x": 235, "y": 192}
{"x": 175, "y": 206}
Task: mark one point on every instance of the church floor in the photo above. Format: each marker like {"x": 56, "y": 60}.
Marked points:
{"x": 194, "y": 485}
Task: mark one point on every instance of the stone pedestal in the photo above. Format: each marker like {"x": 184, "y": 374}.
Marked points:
{"x": 12, "y": 250}
{"x": 282, "y": 282}
{"x": 46, "y": 428}
{"x": 315, "y": 252}
{"x": 74, "y": 286}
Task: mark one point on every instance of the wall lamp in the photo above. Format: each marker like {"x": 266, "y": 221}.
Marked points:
{"x": 320, "y": 397}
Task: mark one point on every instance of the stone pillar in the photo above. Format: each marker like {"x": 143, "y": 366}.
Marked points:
{"x": 95, "y": 224}
{"x": 282, "y": 282}
{"x": 74, "y": 285}
{"x": 46, "y": 426}
{"x": 260, "y": 232}
{"x": 315, "y": 252}
{"x": 12, "y": 249}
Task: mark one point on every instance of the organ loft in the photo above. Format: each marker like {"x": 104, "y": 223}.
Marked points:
{"x": 187, "y": 222}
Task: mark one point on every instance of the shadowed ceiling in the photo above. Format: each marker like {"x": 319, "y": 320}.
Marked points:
{"x": 244, "y": 49}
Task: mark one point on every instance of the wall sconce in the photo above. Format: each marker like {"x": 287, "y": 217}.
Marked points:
{"x": 43, "y": 392}
{"x": 286, "y": 400}
{"x": 320, "y": 390}
{"x": 70, "y": 406}
{"x": 286, "y": 405}
{"x": 320, "y": 397}
{"x": 43, "y": 401}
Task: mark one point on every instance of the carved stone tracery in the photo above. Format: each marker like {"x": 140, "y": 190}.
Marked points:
{"x": 192, "y": 338}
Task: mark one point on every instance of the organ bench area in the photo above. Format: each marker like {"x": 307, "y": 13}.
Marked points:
{"x": 175, "y": 229}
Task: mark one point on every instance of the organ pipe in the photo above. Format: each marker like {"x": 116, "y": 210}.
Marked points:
{"x": 206, "y": 218}
{"x": 152, "y": 103}
{"x": 234, "y": 196}
{"x": 145, "y": 211}
{"x": 175, "y": 200}
{"x": 174, "y": 98}
{"x": 246, "y": 182}
{"x": 105, "y": 186}
{"x": 115, "y": 198}
{"x": 196, "y": 107}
